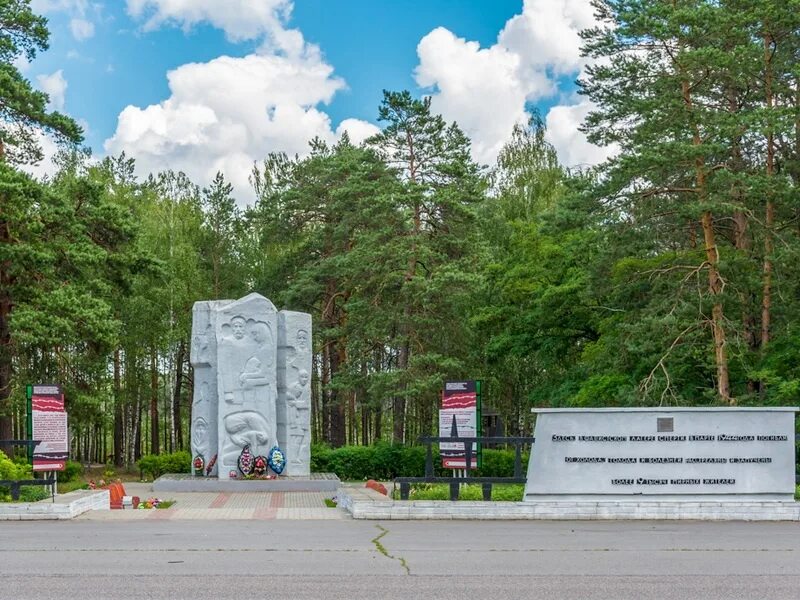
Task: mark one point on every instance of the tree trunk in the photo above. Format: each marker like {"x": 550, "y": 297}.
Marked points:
{"x": 154, "y": 439}
{"x": 316, "y": 402}
{"x": 177, "y": 432}
{"x": 6, "y": 425}
{"x": 119, "y": 415}
{"x": 715, "y": 283}
{"x": 769, "y": 220}
{"x": 336, "y": 407}
{"x": 399, "y": 402}
{"x": 377, "y": 429}
{"x": 363, "y": 401}
{"x": 325, "y": 395}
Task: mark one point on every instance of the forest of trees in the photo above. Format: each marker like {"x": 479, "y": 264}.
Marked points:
{"x": 666, "y": 276}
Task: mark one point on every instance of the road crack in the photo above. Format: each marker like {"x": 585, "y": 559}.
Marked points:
{"x": 376, "y": 541}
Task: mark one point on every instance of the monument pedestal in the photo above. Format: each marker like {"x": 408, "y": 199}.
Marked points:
{"x": 316, "y": 482}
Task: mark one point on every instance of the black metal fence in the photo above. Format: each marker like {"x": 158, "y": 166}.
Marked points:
{"x": 469, "y": 458}
{"x": 487, "y": 482}
{"x": 15, "y": 484}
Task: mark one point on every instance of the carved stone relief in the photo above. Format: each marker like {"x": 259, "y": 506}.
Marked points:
{"x": 203, "y": 357}
{"x": 252, "y": 367}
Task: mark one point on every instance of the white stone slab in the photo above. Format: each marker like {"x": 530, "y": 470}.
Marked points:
{"x": 66, "y": 506}
{"x": 675, "y": 454}
{"x": 568, "y": 511}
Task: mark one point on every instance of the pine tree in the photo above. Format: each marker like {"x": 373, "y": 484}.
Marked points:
{"x": 442, "y": 186}
{"x": 23, "y": 111}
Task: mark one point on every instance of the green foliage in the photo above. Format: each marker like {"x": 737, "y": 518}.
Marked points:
{"x": 381, "y": 461}
{"x": 556, "y": 287}
{"x": 71, "y": 486}
{"x": 500, "y": 463}
{"x": 23, "y": 110}
{"x": 439, "y": 491}
{"x": 156, "y": 465}
{"x": 13, "y": 471}
{"x": 384, "y": 462}
{"x": 33, "y": 493}
{"x": 71, "y": 472}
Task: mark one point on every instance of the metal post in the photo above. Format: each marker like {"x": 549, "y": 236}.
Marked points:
{"x": 453, "y": 492}
{"x": 429, "y": 460}
{"x": 404, "y": 490}
{"x": 29, "y": 419}
{"x": 487, "y": 491}
{"x": 518, "y": 459}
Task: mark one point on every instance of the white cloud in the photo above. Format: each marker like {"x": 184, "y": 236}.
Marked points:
{"x": 228, "y": 113}
{"x": 357, "y": 130}
{"x": 45, "y": 167}
{"x": 45, "y": 6}
{"x": 239, "y": 19}
{"x": 486, "y": 90}
{"x": 81, "y": 29}
{"x": 546, "y": 36}
{"x": 21, "y": 63}
{"x": 477, "y": 87}
{"x": 55, "y": 86}
{"x": 574, "y": 150}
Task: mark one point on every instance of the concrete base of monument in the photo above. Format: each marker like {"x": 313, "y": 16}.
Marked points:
{"x": 361, "y": 508}
{"x": 664, "y": 498}
{"x": 316, "y": 482}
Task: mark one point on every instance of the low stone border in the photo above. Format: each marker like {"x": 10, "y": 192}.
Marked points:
{"x": 66, "y": 506}
{"x": 316, "y": 482}
{"x": 361, "y": 508}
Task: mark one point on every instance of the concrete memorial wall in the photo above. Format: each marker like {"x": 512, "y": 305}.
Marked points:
{"x": 663, "y": 454}
{"x": 252, "y": 399}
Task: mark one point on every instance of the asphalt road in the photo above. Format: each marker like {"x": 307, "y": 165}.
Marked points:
{"x": 250, "y": 560}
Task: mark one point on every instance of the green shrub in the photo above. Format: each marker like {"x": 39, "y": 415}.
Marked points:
{"x": 177, "y": 462}
{"x": 16, "y": 470}
{"x": 33, "y": 493}
{"x": 356, "y": 462}
{"x": 13, "y": 470}
{"x": 155, "y": 465}
{"x": 320, "y": 454}
{"x": 150, "y": 464}
{"x": 72, "y": 471}
{"x": 384, "y": 462}
{"x": 441, "y": 491}
{"x": 500, "y": 463}
{"x": 71, "y": 486}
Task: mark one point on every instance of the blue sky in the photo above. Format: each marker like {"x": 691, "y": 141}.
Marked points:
{"x": 309, "y": 67}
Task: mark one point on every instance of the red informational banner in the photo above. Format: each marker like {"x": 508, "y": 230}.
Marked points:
{"x": 50, "y": 427}
{"x": 459, "y": 416}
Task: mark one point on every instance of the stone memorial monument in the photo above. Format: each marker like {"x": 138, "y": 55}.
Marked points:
{"x": 682, "y": 455}
{"x": 252, "y": 397}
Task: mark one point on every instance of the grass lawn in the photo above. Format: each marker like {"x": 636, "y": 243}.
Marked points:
{"x": 98, "y": 473}
{"x": 510, "y": 492}
{"x": 501, "y": 493}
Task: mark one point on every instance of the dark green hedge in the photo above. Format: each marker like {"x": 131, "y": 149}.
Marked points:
{"x": 381, "y": 461}
{"x": 385, "y": 462}
{"x": 155, "y": 465}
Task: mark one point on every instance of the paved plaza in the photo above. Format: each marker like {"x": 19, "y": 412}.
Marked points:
{"x": 224, "y": 506}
